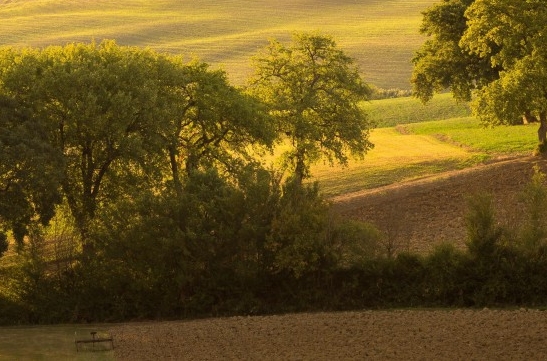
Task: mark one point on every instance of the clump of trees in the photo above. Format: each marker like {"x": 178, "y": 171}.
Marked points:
{"x": 148, "y": 164}
{"x": 130, "y": 185}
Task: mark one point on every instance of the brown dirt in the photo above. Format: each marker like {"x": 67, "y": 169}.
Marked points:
{"x": 420, "y": 214}
{"x": 368, "y": 335}
{"x": 416, "y": 215}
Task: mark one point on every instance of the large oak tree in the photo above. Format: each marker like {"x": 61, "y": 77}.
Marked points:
{"x": 313, "y": 90}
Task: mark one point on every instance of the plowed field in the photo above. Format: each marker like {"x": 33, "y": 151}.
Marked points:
{"x": 368, "y": 335}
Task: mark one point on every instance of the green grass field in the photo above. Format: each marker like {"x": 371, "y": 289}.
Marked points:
{"x": 392, "y": 112}
{"x": 381, "y": 35}
{"x": 419, "y": 147}
{"x": 469, "y": 132}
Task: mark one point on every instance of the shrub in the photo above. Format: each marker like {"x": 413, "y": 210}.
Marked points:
{"x": 355, "y": 242}
{"x": 483, "y": 234}
{"x": 534, "y": 231}
{"x": 444, "y": 270}
{"x": 299, "y": 237}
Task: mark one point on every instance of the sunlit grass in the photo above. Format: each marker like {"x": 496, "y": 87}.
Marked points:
{"x": 469, "y": 132}
{"x": 382, "y": 37}
{"x": 391, "y": 112}
{"x": 396, "y": 157}
{"x": 422, "y": 149}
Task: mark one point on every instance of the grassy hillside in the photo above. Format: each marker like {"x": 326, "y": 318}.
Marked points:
{"x": 469, "y": 132}
{"x": 381, "y": 35}
{"x": 416, "y": 150}
{"x": 392, "y": 112}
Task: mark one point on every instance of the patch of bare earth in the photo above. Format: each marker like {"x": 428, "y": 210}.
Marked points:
{"x": 416, "y": 215}
{"x": 419, "y": 215}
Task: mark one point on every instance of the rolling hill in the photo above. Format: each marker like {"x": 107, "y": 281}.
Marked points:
{"x": 381, "y": 35}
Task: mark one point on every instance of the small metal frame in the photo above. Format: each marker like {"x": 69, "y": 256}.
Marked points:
{"x": 96, "y": 338}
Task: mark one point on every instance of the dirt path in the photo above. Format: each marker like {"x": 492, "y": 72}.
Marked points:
{"x": 368, "y": 335}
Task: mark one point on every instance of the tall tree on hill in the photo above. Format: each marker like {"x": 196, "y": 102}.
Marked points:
{"x": 313, "y": 92}
{"x": 494, "y": 50}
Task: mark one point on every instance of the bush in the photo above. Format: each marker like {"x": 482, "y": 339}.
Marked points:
{"x": 483, "y": 234}
{"x": 299, "y": 239}
{"x": 355, "y": 242}
{"x": 444, "y": 269}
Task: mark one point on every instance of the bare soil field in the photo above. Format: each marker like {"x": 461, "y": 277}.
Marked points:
{"x": 420, "y": 214}
{"x": 367, "y": 335}
{"x": 417, "y": 215}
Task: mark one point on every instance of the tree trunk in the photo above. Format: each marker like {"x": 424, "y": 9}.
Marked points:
{"x": 542, "y": 135}
{"x": 528, "y": 118}
{"x": 542, "y": 131}
{"x": 173, "y": 155}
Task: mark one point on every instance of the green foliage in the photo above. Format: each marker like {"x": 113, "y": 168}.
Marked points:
{"x": 483, "y": 233}
{"x": 312, "y": 90}
{"x": 441, "y": 63}
{"x": 254, "y": 247}
{"x": 534, "y": 230}
{"x": 299, "y": 239}
{"x": 378, "y": 93}
{"x": 356, "y": 242}
{"x": 94, "y": 101}
{"x": 444, "y": 267}
{"x": 119, "y": 118}
{"x": 29, "y": 170}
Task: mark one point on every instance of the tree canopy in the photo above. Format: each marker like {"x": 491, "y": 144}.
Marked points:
{"x": 491, "y": 49}
{"x": 313, "y": 90}
{"x": 120, "y": 118}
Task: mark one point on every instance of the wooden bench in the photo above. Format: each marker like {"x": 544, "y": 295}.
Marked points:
{"x": 93, "y": 340}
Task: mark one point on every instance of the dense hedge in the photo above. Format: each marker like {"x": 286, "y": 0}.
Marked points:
{"x": 446, "y": 278}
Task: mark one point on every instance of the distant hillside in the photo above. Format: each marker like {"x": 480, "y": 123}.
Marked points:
{"x": 381, "y": 35}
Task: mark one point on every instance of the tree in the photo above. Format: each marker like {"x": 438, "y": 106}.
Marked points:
{"x": 491, "y": 49}
{"x": 211, "y": 123}
{"x": 97, "y": 105}
{"x": 29, "y": 172}
{"x": 441, "y": 63}
{"x": 313, "y": 92}
{"x": 511, "y": 34}
{"x": 123, "y": 119}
